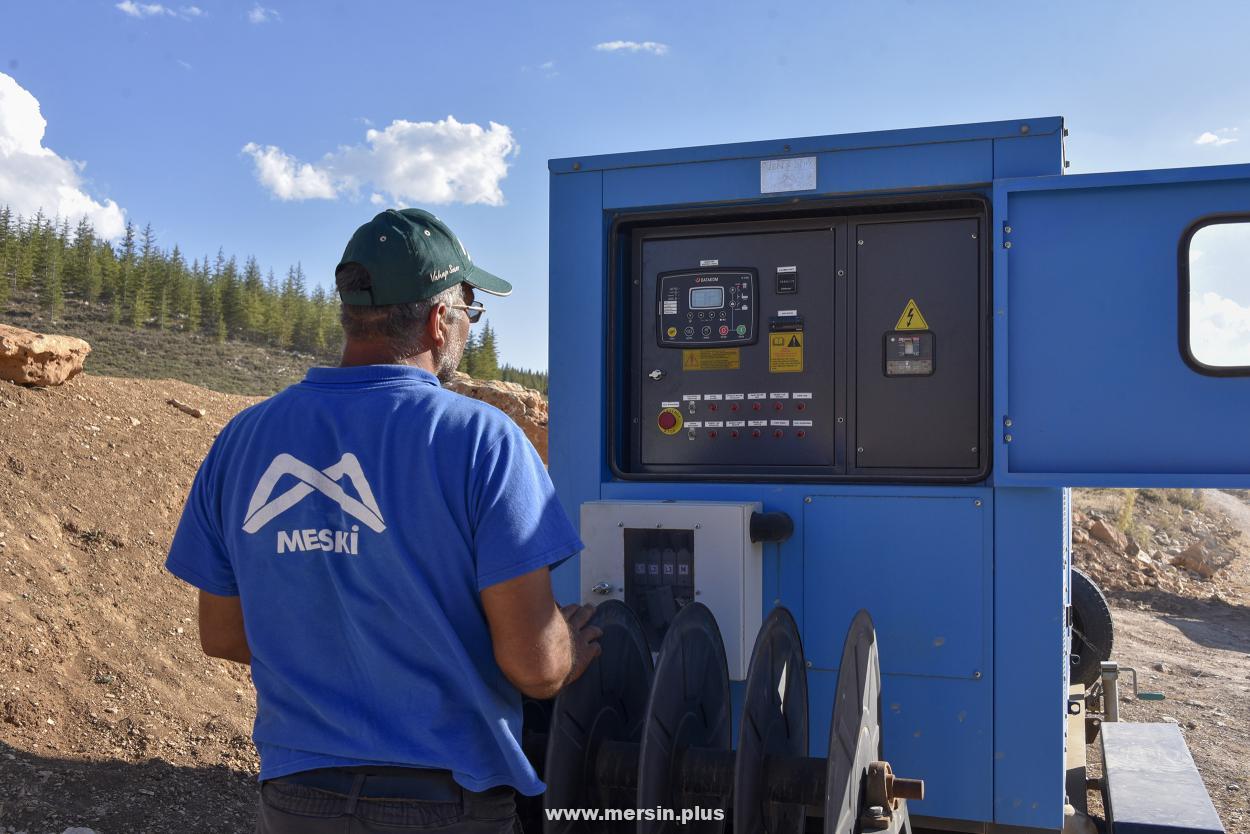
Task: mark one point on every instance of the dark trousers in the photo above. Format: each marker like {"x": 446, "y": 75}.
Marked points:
{"x": 346, "y": 800}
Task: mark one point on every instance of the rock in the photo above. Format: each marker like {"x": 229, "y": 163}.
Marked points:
{"x": 78, "y": 831}
{"x": 1169, "y": 719}
{"x": 1079, "y": 536}
{"x": 1233, "y": 787}
{"x": 525, "y": 406}
{"x": 1196, "y": 559}
{"x": 29, "y": 358}
{"x": 1159, "y": 667}
{"x": 1108, "y": 535}
{"x": 1131, "y": 547}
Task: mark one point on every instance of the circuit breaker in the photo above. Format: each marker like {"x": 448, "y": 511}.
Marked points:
{"x": 658, "y": 557}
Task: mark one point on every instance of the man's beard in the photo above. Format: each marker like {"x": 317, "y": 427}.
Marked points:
{"x": 447, "y": 358}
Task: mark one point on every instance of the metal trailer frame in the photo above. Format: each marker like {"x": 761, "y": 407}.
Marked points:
{"x": 968, "y": 583}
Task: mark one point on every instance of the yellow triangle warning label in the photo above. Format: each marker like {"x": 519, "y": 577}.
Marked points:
{"x": 912, "y": 318}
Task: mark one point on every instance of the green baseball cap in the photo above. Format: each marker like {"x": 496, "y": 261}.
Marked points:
{"x": 411, "y": 255}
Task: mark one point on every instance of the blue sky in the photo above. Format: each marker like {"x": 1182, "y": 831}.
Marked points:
{"x": 159, "y": 102}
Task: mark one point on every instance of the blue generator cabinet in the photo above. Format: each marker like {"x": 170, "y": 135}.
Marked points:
{"x": 902, "y": 348}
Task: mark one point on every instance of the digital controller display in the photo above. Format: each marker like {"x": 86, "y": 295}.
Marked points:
{"x": 707, "y": 298}
{"x": 706, "y": 308}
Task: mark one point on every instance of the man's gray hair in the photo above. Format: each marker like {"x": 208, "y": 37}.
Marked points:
{"x": 400, "y": 325}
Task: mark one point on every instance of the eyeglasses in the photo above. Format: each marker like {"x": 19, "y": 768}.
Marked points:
{"x": 474, "y": 311}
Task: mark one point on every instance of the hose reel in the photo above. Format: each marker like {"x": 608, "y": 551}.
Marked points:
{"x": 630, "y": 736}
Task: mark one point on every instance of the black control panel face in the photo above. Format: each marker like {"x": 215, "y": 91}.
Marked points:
{"x": 848, "y": 347}
{"x": 736, "y": 358}
{"x": 707, "y": 308}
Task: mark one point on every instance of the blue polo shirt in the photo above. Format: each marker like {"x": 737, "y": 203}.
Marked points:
{"x": 357, "y": 515}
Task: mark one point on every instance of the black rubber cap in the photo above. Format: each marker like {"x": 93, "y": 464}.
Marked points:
{"x": 771, "y": 527}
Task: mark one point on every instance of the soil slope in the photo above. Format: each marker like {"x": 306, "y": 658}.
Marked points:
{"x": 110, "y": 715}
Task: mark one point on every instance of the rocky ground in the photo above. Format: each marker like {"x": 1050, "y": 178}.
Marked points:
{"x": 1186, "y": 626}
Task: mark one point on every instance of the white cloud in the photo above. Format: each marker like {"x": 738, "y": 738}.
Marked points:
{"x": 408, "y": 162}
{"x": 633, "y": 46}
{"x": 259, "y": 14}
{"x": 1219, "y": 330}
{"x": 141, "y": 10}
{"x": 287, "y": 178}
{"x": 34, "y": 178}
{"x": 1223, "y": 136}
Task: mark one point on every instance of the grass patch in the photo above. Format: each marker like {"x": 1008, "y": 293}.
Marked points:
{"x": 118, "y": 350}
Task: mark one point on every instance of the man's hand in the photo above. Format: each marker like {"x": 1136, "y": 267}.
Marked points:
{"x": 585, "y": 638}
{"x": 538, "y": 646}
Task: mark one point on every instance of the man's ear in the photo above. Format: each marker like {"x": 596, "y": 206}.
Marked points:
{"x": 436, "y": 325}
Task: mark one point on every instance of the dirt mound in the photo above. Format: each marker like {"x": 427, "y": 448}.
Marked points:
{"x": 100, "y": 666}
{"x": 1173, "y": 542}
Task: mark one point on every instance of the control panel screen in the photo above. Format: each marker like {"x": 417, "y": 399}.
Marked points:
{"x": 707, "y": 298}
{"x": 706, "y": 308}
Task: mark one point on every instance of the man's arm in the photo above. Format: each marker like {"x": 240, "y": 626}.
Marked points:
{"x": 539, "y": 646}
{"x": 221, "y": 628}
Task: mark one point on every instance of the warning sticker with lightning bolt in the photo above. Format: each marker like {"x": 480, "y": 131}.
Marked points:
{"x": 912, "y": 318}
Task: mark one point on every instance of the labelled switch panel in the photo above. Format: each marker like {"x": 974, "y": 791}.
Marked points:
{"x": 658, "y": 556}
{"x": 738, "y": 358}
{"x": 659, "y": 577}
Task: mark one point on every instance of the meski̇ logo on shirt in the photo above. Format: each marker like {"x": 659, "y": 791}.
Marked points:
{"x": 264, "y": 506}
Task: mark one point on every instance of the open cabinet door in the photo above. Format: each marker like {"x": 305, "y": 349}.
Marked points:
{"x": 1099, "y": 378}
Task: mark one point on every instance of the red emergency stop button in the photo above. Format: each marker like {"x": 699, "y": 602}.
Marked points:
{"x": 669, "y": 420}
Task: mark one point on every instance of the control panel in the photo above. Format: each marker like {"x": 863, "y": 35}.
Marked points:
{"x": 807, "y": 348}
{"x": 659, "y": 556}
{"x": 740, "y": 371}
{"x": 707, "y": 308}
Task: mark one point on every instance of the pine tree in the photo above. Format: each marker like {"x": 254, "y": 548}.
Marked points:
{"x": 55, "y": 292}
{"x": 487, "y": 365}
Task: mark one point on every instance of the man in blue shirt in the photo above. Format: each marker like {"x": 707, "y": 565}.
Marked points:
{"x": 378, "y": 549}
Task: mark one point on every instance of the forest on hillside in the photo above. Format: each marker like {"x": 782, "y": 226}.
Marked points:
{"x": 143, "y": 285}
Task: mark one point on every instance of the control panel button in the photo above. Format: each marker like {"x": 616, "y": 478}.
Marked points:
{"x": 724, "y": 330}
{"x": 755, "y": 432}
{"x": 777, "y": 406}
{"x": 778, "y": 433}
{"x": 800, "y": 434}
{"x": 669, "y": 420}
{"x": 712, "y": 434}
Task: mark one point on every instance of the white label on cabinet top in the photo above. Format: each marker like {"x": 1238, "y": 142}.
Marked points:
{"x": 796, "y": 173}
